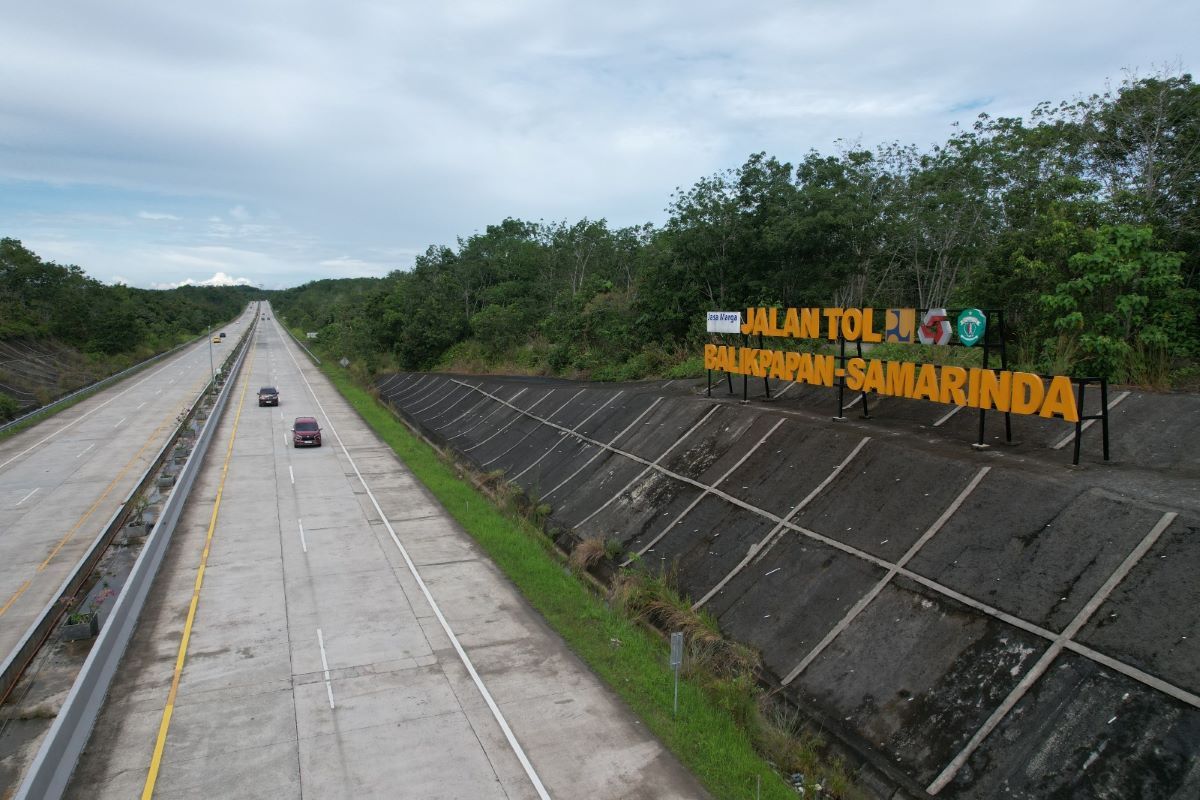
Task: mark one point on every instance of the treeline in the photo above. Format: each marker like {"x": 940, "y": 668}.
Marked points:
{"x": 47, "y": 304}
{"x": 1081, "y": 221}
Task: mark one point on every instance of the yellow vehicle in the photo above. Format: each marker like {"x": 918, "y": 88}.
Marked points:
{"x": 216, "y": 340}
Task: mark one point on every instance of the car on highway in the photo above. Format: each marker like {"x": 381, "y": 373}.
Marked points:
{"x": 268, "y": 396}
{"x": 222, "y": 334}
{"x": 306, "y": 432}
{"x": 216, "y": 340}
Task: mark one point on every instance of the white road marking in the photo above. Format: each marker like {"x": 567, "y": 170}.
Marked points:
{"x": 437, "y": 611}
{"x": 948, "y": 415}
{"x": 303, "y": 543}
{"x": 42, "y": 441}
{"x": 26, "y": 497}
{"x": 1070, "y": 437}
{"x": 291, "y": 475}
{"x": 866, "y": 599}
{"x": 122, "y": 419}
{"x": 325, "y": 666}
{"x": 85, "y": 450}
{"x": 1052, "y": 652}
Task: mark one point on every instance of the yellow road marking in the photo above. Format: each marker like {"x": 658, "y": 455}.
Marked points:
{"x": 79, "y": 523}
{"x": 169, "y": 710}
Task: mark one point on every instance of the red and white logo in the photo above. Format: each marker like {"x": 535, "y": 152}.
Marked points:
{"x": 935, "y": 327}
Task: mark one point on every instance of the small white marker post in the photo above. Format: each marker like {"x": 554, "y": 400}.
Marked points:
{"x": 676, "y": 661}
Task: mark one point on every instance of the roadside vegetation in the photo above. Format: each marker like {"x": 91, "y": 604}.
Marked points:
{"x": 1080, "y": 220}
{"x": 729, "y": 732}
{"x": 60, "y": 329}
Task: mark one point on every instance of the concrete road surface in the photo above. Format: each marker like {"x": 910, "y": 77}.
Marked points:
{"x": 347, "y": 639}
{"x": 63, "y": 479}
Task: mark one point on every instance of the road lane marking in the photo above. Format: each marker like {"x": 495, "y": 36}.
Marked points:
{"x": 26, "y": 497}
{"x": 303, "y": 544}
{"x": 169, "y": 709}
{"x": 498, "y": 715}
{"x": 69, "y": 535}
{"x": 291, "y": 475}
{"x": 85, "y": 450}
{"x": 139, "y": 408}
{"x": 40, "y": 442}
{"x": 325, "y": 666}
{"x": 122, "y": 419}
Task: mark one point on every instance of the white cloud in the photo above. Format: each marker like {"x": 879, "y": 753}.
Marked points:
{"x": 306, "y": 154}
{"x": 219, "y": 279}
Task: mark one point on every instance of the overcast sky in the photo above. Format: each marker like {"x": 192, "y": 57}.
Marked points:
{"x": 277, "y": 142}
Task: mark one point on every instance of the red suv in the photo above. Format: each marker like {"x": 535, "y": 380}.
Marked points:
{"x": 306, "y": 432}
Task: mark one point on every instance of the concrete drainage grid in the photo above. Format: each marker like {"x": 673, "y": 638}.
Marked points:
{"x": 839, "y": 595}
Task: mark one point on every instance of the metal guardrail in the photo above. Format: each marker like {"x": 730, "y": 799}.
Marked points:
{"x": 50, "y": 772}
{"x": 301, "y": 344}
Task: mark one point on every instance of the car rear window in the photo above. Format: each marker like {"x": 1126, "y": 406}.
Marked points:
{"x": 267, "y": 390}
{"x": 306, "y": 425}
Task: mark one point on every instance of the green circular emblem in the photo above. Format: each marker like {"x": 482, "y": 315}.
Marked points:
{"x": 971, "y": 326}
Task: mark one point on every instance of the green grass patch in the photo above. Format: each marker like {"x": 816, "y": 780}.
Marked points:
{"x": 628, "y": 657}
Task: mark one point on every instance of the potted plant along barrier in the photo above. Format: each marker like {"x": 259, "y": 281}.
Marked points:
{"x": 84, "y": 624}
{"x": 81, "y": 625}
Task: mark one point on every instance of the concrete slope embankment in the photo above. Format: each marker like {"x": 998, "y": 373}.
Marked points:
{"x": 990, "y": 623}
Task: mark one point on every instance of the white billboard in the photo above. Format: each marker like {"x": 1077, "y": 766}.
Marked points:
{"x": 724, "y": 322}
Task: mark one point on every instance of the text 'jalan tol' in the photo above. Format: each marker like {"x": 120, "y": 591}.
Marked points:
{"x": 851, "y": 324}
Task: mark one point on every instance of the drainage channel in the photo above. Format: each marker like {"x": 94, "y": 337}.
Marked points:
{"x": 55, "y": 673}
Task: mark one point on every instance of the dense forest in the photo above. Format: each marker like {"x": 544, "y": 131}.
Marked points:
{"x": 1081, "y": 221}
{"x": 54, "y": 313}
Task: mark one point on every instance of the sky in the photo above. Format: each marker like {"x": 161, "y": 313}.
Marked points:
{"x": 283, "y": 141}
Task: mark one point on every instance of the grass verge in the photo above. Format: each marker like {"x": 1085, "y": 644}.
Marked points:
{"x": 629, "y": 658}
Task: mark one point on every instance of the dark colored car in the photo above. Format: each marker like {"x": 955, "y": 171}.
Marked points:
{"x": 222, "y": 334}
{"x": 268, "y": 396}
{"x": 306, "y": 432}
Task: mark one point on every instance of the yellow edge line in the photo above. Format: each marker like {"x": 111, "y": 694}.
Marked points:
{"x": 75, "y": 528}
{"x": 169, "y": 710}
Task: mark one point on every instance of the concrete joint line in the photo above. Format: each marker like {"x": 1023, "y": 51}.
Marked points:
{"x": 499, "y": 406}
{"x": 576, "y": 428}
{"x": 601, "y": 450}
{"x": 528, "y": 433}
{"x": 866, "y": 599}
{"x": 760, "y": 549}
{"x": 482, "y": 400}
{"x": 497, "y": 714}
{"x": 411, "y": 388}
{"x": 1070, "y": 437}
{"x": 702, "y": 495}
{"x": 392, "y": 380}
{"x": 437, "y": 400}
{"x": 1051, "y": 653}
{"x": 486, "y": 416}
{"x": 453, "y": 405}
{"x": 650, "y": 465}
{"x": 516, "y": 418}
{"x": 946, "y": 417}
{"x": 421, "y": 397}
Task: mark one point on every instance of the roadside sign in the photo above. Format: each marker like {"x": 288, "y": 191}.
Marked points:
{"x": 676, "y": 650}
{"x": 345, "y": 362}
{"x": 724, "y": 321}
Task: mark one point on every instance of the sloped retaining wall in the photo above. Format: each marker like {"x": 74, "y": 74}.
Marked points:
{"x": 992, "y": 624}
